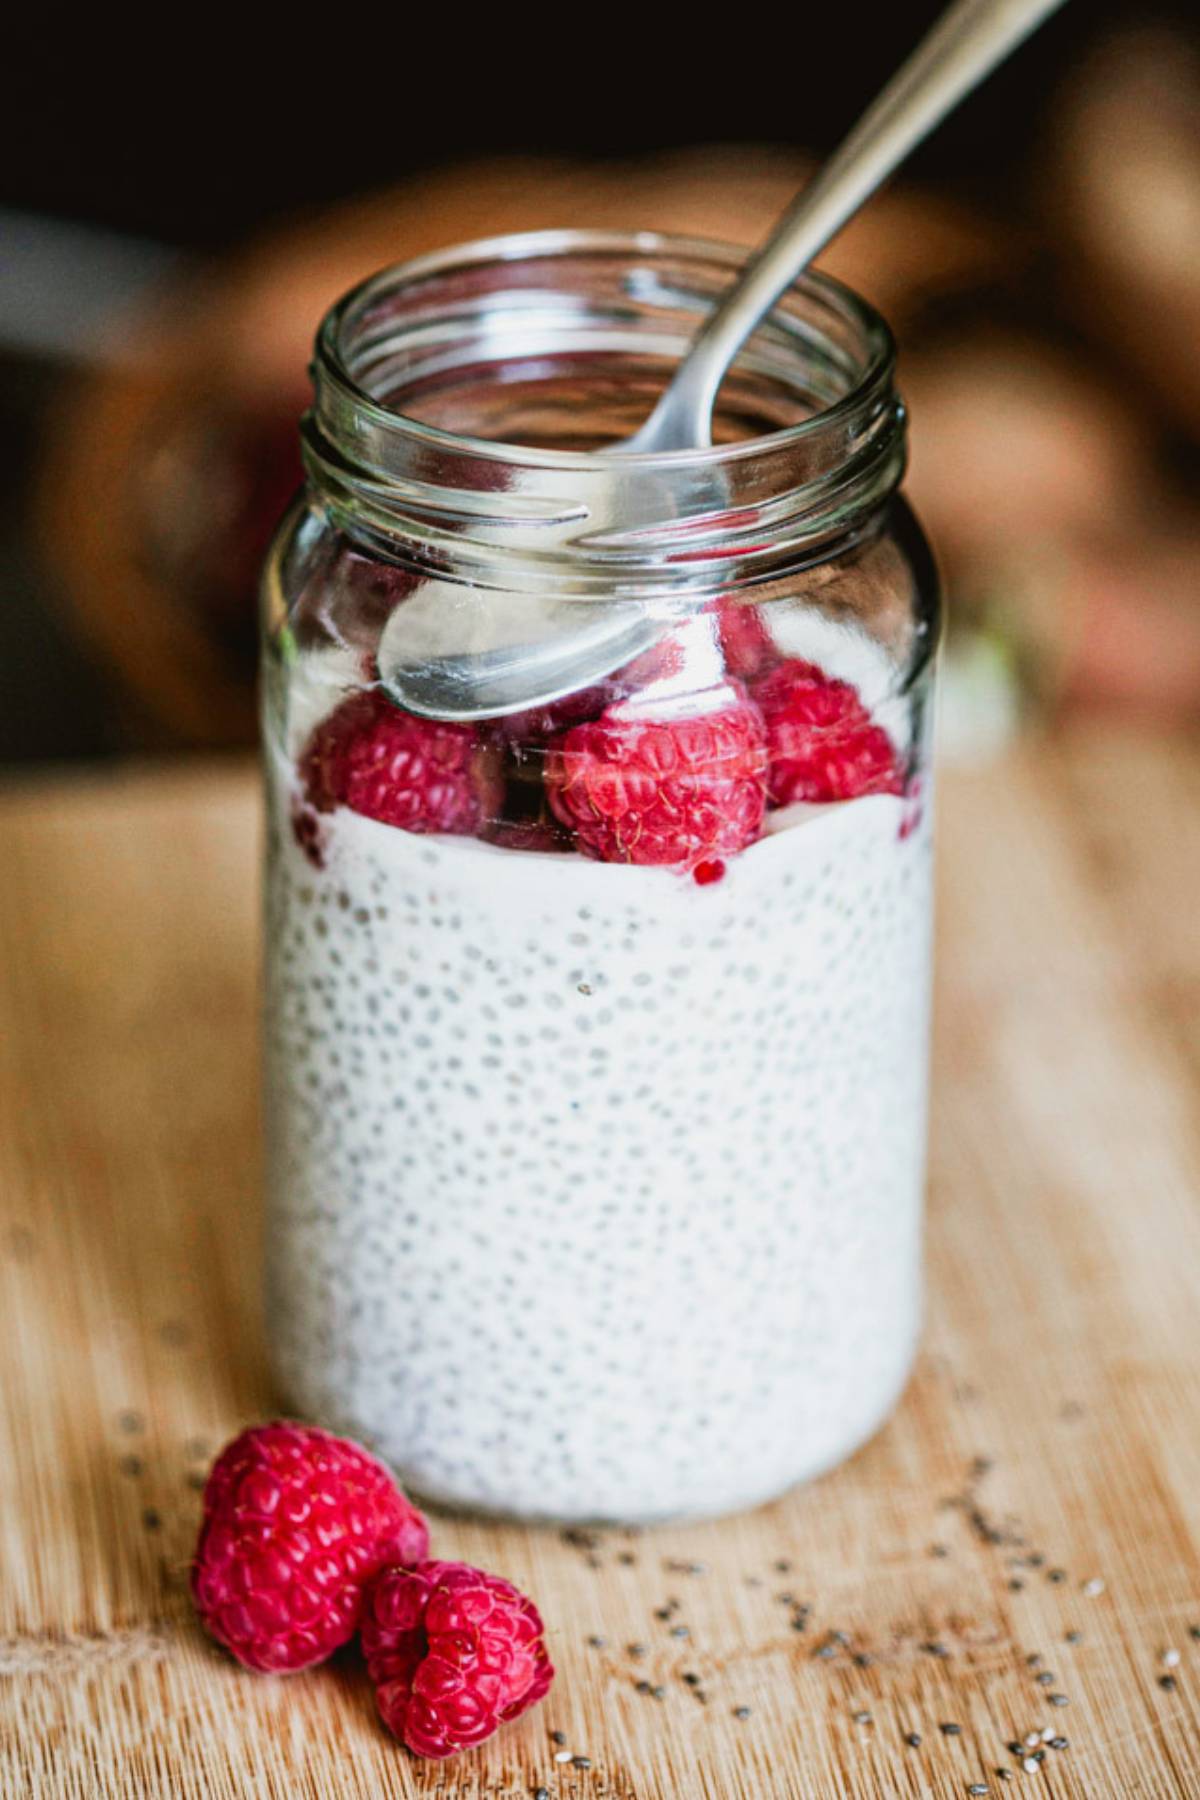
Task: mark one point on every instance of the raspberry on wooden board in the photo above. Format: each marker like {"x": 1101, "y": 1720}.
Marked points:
{"x": 454, "y": 1653}
{"x": 295, "y": 1523}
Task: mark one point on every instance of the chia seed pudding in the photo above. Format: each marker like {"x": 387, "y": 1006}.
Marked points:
{"x": 596, "y": 1023}
{"x": 595, "y": 1192}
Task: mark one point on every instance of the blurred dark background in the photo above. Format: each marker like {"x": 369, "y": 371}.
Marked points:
{"x": 181, "y": 201}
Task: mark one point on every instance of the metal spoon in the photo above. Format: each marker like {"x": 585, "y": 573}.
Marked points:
{"x": 439, "y": 657}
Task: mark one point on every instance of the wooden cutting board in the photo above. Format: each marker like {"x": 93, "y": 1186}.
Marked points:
{"x": 1025, "y": 1528}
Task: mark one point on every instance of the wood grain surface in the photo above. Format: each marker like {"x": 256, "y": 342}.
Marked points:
{"x": 1037, "y": 1495}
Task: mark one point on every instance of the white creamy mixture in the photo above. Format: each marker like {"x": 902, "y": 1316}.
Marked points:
{"x": 596, "y": 1193}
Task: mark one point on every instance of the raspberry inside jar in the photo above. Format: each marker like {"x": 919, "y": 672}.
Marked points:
{"x": 596, "y": 1032}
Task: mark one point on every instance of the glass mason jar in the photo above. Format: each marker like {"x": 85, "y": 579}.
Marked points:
{"x": 596, "y": 1030}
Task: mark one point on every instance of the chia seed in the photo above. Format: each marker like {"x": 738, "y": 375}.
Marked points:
{"x": 1168, "y": 1683}
{"x": 1059, "y": 1700}
{"x": 558, "y": 1737}
{"x": 741, "y": 1712}
{"x": 950, "y": 1730}
{"x": 913, "y": 1739}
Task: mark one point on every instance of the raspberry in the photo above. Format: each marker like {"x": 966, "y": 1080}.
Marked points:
{"x": 668, "y": 791}
{"x": 295, "y": 1523}
{"x": 453, "y": 1653}
{"x": 821, "y": 739}
{"x": 390, "y": 765}
{"x": 745, "y": 641}
{"x": 538, "y": 724}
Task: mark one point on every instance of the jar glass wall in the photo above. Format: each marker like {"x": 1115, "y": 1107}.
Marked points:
{"x": 596, "y": 1027}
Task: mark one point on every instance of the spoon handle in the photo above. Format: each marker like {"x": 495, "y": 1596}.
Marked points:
{"x": 965, "y": 45}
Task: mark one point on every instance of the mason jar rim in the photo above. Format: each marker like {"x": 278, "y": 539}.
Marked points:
{"x": 331, "y": 359}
